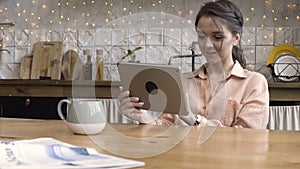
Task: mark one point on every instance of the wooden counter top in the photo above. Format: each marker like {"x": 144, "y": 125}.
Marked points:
{"x": 279, "y": 91}
{"x": 58, "y": 88}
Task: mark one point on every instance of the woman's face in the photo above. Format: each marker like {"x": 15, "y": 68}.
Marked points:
{"x": 215, "y": 40}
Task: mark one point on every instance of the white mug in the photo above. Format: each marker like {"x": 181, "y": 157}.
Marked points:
{"x": 83, "y": 116}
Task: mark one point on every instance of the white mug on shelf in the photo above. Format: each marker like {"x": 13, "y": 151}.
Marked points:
{"x": 83, "y": 116}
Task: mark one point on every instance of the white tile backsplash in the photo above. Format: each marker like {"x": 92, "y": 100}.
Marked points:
{"x": 297, "y": 36}
{"x": 189, "y": 35}
{"x": 119, "y": 37}
{"x": 248, "y": 36}
{"x": 160, "y": 54}
{"x": 265, "y": 36}
{"x": 48, "y": 36}
{"x": 85, "y": 37}
{"x": 16, "y": 71}
{"x": 172, "y": 37}
{"x": 262, "y": 53}
{"x": 70, "y": 38}
{"x": 117, "y": 52}
{"x": 114, "y": 72}
{"x": 284, "y": 35}
{"x": 107, "y": 71}
{"x": 103, "y": 37}
{"x": 8, "y": 38}
{"x": 137, "y": 37}
{"x": 154, "y": 36}
{"x": 56, "y": 35}
{"x": 185, "y": 50}
{"x": 38, "y": 35}
{"x": 158, "y": 44}
{"x": 249, "y": 53}
{"x": 19, "y": 53}
{"x": 23, "y": 37}
{"x": 7, "y": 57}
{"x": 9, "y": 71}
{"x": 161, "y": 30}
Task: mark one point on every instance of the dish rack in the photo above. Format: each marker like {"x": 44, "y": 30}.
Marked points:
{"x": 281, "y": 75}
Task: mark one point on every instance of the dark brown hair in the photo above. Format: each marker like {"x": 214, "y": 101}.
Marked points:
{"x": 228, "y": 13}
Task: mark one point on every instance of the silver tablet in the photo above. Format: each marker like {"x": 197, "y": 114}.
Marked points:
{"x": 160, "y": 87}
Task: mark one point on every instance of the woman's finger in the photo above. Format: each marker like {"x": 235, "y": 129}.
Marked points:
{"x": 123, "y": 95}
{"x": 130, "y": 103}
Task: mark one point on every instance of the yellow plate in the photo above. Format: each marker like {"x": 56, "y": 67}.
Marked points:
{"x": 282, "y": 49}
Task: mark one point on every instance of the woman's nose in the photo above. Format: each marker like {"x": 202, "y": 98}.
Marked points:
{"x": 208, "y": 43}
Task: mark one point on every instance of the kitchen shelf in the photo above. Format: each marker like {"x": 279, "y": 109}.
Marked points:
{"x": 284, "y": 91}
{"x": 58, "y": 88}
{"x": 279, "y": 91}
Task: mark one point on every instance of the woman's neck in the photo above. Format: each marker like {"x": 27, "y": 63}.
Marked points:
{"x": 227, "y": 67}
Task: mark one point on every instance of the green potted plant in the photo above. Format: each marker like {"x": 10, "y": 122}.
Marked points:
{"x": 131, "y": 55}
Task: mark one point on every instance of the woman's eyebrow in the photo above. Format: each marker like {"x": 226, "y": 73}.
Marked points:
{"x": 214, "y": 32}
{"x": 217, "y": 32}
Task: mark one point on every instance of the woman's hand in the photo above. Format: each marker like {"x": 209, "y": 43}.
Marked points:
{"x": 193, "y": 119}
{"x": 131, "y": 108}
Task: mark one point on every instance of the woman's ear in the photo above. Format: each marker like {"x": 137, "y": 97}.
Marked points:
{"x": 236, "y": 39}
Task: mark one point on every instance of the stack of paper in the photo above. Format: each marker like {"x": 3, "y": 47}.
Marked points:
{"x": 49, "y": 153}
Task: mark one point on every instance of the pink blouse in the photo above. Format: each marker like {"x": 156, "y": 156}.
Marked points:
{"x": 240, "y": 100}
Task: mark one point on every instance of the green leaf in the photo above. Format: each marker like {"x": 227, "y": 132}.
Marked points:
{"x": 131, "y": 53}
{"x": 137, "y": 48}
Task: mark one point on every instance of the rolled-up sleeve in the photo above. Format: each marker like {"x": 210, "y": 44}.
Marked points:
{"x": 254, "y": 111}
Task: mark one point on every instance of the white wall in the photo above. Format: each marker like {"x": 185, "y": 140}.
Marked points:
{"x": 162, "y": 27}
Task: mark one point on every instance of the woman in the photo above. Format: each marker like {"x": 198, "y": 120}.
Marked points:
{"x": 229, "y": 95}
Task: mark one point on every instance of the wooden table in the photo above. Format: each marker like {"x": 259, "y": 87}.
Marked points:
{"x": 226, "y": 148}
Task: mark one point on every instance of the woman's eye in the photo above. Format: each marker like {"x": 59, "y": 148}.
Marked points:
{"x": 218, "y": 38}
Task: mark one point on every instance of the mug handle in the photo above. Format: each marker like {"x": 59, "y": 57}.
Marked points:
{"x": 60, "y": 103}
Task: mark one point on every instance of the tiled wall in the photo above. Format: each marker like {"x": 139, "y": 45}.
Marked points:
{"x": 158, "y": 45}
{"x": 160, "y": 38}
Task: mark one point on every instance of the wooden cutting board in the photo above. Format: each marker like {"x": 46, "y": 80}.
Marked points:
{"x": 47, "y": 59}
{"x": 71, "y": 65}
{"x": 25, "y": 67}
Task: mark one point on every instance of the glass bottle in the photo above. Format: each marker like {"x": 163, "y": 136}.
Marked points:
{"x": 88, "y": 67}
{"x": 99, "y": 65}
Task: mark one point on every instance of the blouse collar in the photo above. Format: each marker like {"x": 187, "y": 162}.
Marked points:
{"x": 237, "y": 71}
